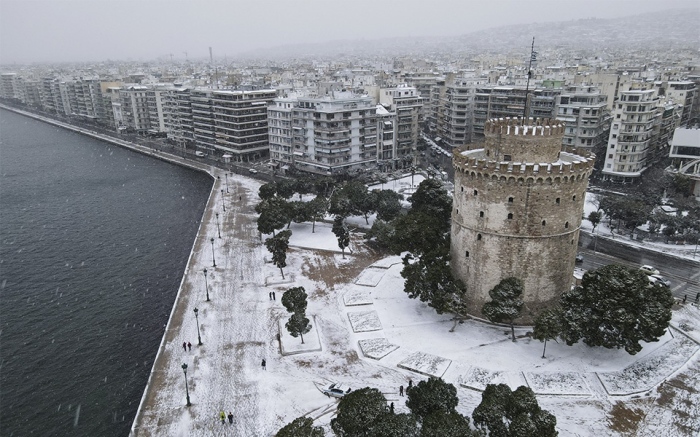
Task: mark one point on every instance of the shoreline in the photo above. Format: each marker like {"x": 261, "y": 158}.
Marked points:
{"x": 209, "y": 207}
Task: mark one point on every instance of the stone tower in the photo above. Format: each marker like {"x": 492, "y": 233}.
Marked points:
{"x": 518, "y": 205}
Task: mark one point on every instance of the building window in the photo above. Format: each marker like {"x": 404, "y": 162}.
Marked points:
{"x": 566, "y": 225}
{"x": 557, "y": 200}
{"x": 544, "y": 222}
{"x": 507, "y": 158}
{"x": 478, "y": 237}
{"x": 476, "y": 192}
{"x": 510, "y": 216}
{"x": 574, "y": 198}
{"x": 466, "y": 254}
{"x": 457, "y": 211}
{"x": 481, "y": 213}
{"x": 462, "y": 189}
{"x": 510, "y": 200}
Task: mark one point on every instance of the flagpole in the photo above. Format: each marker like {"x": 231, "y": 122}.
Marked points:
{"x": 529, "y": 74}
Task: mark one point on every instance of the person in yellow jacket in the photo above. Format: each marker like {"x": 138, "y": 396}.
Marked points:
{"x": 222, "y": 416}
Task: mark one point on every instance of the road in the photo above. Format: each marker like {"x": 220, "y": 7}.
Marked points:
{"x": 683, "y": 274}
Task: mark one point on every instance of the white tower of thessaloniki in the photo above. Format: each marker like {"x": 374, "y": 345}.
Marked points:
{"x": 517, "y": 210}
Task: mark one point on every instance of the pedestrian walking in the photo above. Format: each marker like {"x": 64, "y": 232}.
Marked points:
{"x": 189, "y": 346}
{"x": 184, "y": 345}
{"x": 401, "y": 390}
{"x": 222, "y": 415}
{"x": 410, "y": 385}
{"x": 273, "y": 296}
{"x": 270, "y": 294}
{"x": 239, "y": 197}
{"x": 230, "y": 418}
{"x": 263, "y": 364}
{"x": 391, "y": 408}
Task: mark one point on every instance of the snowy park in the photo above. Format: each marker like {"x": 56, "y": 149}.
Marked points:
{"x": 366, "y": 332}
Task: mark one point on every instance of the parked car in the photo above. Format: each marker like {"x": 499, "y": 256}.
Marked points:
{"x": 200, "y": 154}
{"x": 658, "y": 278}
{"x": 252, "y": 170}
{"x": 579, "y": 258}
{"x": 649, "y": 270}
{"x": 336, "y": 390}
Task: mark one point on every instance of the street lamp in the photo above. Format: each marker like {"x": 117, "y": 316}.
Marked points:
{"x": 217, "y": 225}
{"x": 223, "y": 200}
{"x": 213, "y": 260}
{"x": 226, "y": 174}
{"x": 206, "y": 285}
{"x": 187, "y": 390}
{"x": 196, "y": 316}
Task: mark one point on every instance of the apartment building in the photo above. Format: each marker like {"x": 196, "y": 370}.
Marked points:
{"x": 509, "y": 101}
{"x": 452, "y": 106}
{"x": 135, "y": 115}
{"x": 12, "y": 87}
{"x": 333, "y": 134}
{"x": 406, "y": 105}
{"x": 587, "y": 119}
{"x": 683, "y": 93}
{"x": 177, "y": 116}
{"x": 231, "y": 122}
{"x": 629, "y": 149}
{"x": 279, "y": 122}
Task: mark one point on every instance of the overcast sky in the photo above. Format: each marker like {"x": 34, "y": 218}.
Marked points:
{"x": 96, "y": 30}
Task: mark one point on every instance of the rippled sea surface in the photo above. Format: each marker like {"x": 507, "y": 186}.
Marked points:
{"x": 93, "y": 244}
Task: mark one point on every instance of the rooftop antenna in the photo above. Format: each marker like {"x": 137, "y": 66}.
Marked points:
{"x": 533, "y": 57}
{"x": 211, "y": 57}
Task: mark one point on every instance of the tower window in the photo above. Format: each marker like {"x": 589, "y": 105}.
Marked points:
{"x": 481, "y": 213}
{"x": 507, "y": 158}
{"x": 557, "y": 200}
{"x": 478, "y": 237}
{"x": 466, "y": 254}
{"x": 476, "y": 192}
{"x": 544, "y": 222}
{"x": 510, "y": 216}
{"x": 566, "y": 225}
{"x": 574, "y": 198}
{"x": 457, "y": 211}
{"x": 510, "y": 200}
{"x": 462, "y": 189}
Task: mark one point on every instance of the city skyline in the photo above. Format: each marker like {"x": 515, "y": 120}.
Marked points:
{"x": 180, "y": 30}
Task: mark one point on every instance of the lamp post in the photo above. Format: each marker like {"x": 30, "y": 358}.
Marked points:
{"x": 218, "y": 229}
{"x": 206, "y": 285}
{"x": 226, "y": 174}
{"x": 213, "y": 260}
{"x": 187, "y": 390}
{"x": 223, "y": 200}
{"x": 196, "y": 316}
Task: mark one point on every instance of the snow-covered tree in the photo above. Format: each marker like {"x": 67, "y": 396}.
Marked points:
{"x": 298, "y": 325}
{"x": 294, "y": 300}
{"x": 506, "y": 302}
{"x": 278, "y": 246}
{"x": 547, "y": 326}
{"x": 430, "y": 279}
{"x": 432, "y": 396}
{"x": 301, "y": 427}
{"x": 506, "y": 413}
{"x": 393, "y": 425}
{"x": 441, "y": 424}
{"x": 616, "y": 307}
{"x": 357, "y": 412}
{"x": 341, "y": 233}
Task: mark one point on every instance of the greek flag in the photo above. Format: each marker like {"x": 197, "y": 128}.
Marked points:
{"x": 533, "y": 56}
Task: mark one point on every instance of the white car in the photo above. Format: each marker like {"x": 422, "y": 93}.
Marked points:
{"x": 659, "y": 279}
{"x": 649, "y": 270}
{"x": 336, "y": 390}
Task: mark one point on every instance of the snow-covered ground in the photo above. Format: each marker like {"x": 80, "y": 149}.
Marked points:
{"x": 367, "y": 332}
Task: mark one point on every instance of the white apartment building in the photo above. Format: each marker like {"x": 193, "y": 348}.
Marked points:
{"x": 584, "y": 110}
{"x": 683, "y": 93}
{"x": 406, "y": 105}
{"x": 135, "y": 116}
{"x": 631, "y": 135}
{"x": 329, "y": 135}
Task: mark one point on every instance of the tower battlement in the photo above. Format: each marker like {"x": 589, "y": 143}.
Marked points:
{"x": 540, "y": 127}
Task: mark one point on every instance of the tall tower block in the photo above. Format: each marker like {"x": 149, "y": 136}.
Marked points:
{"x": 517, "y": 210}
